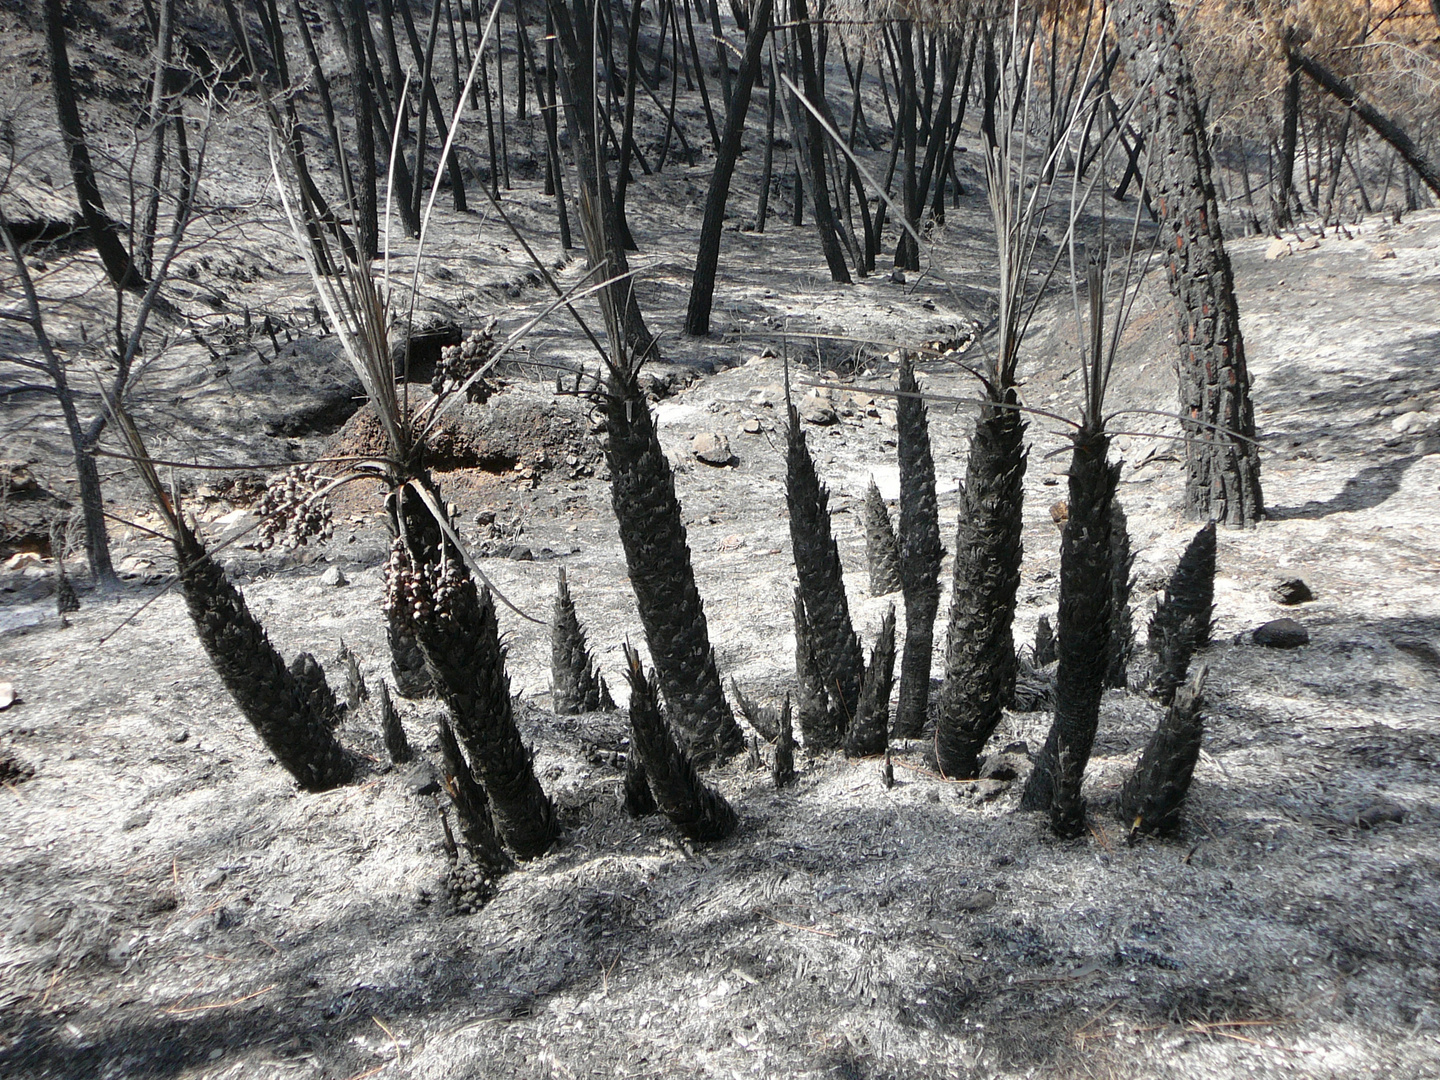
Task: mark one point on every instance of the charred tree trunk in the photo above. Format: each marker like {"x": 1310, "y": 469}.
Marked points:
{"x": 1222, "y": 460}
{"x": 815, "y": 140}
{"x": 98, "y": 224}
{"x": 699, "y": 812}
{"x": 702, "y": 287}
{"x": 657, "y": 553}
{"x": 366, "y": 206}
{"x": 1281, "y": 213}
{"x": 980, "y": 659}
{"x": 920, "y": 553}
{"x": 1378, "y": 122}
{"x": 604, "y": 248}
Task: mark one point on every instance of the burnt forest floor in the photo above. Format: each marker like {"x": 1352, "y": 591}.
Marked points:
{"x": 173, "y": 907}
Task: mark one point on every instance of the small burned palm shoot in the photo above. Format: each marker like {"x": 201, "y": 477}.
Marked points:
{"x": 868, "y": 733}
{"x": 1151, "y": 800}
{"x": 882, "y": 552}
{"x": 1181, "y": 623}
{"x": 699, "y": 812}
{"x": 578, "y": 687}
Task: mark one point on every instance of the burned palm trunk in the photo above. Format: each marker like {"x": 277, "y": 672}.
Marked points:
{"x": 639, "y": 801}
{"x": 867, "y": 734}
{"x": 821, "y": 725}
{"x": 1151, "y": 799}
{"x": 836, "y": 648}
{"x": 1181, "y": 623}
{"x": 1122, "y": 628}
{"x": 472, "y": 806}
{"x": 882, "y": 552}
{"x": 1083, "y": 635}
{"x": 980, "y": 648}
{"x": 457, "y": 630}
{"x": 310, "y": 676}
{"x": 396, "y": 743}
{"x": 657, "y": 554}
{"x": 782, "y": 769}
{"x": 920, "y": 553}
{"x": 578, "y": 688}
{"x": 1044, "y": 642}
{"x": 762, "y": 718}
{"x": 1222, "y": 460}
{"x": 407, "y": 662}
{"x": 274, "y": 702}
{"x": 699, "y": 812}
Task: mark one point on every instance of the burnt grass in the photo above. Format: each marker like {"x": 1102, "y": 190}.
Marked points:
{"x": 172, "y": 905}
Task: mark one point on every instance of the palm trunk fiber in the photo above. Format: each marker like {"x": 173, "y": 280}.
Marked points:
{"x": 1152, "y": 797}
{"x": 578, "y": 688}
{"x": 980, "y": 660}
{"x": 255, "y": 675}
{"x": 836, "y": 648}
{"x": 457, "y": 630}
{"x": 699, "y": 812}
{"x": 657, "y": 553}
{"x": 1083, "y": 633}
{"x": 920, "y": 553}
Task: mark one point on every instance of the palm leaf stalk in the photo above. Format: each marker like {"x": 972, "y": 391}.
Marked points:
{"x": 457, "y": 630}
{"x": 279, "y": 707}
{"x": 834, "y": 644}
{"x": 657, "y": 554}
{"x": 578, "y": 687}
{"x": 882, "y": 552}
{"x": 1153, "y": 795}
{"x": 920, "y": 552}
{"x": 867, "y": 735}
{"x": 699, "y": 812}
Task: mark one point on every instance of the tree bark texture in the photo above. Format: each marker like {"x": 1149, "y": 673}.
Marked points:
{"x": 1223, "y": 478}
{"x": 815, "y": 140}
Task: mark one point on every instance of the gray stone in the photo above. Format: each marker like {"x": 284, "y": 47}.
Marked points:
{"x": 1281, "y": 634}
{"x": 988, "y": 790}
{"x": 137, "y": 820}
{"x": 421, "y": 779}
{"x": 1291, "y": 591}
{"x": 712, "y": 448}
{"x": 816, "y": 410}
{"x": 1002, "y": 766}
{"x": 334, "y": 577}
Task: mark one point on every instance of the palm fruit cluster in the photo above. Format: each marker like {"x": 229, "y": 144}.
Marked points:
{"x": 459, "y": 362}
{"x": 290, "y": 513}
